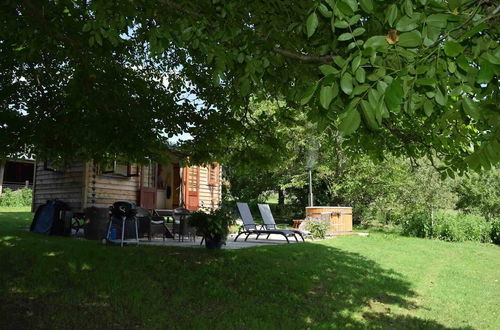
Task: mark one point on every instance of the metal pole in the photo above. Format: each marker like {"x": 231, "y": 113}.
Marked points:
{"x": 310, "y": 189}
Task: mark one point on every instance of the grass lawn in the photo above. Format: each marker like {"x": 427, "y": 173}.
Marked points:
{"x": 381, "y": 281}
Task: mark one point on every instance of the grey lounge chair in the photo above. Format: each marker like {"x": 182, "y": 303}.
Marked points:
{"x": 270, "y": 224}
{"x": 250, "y": 227}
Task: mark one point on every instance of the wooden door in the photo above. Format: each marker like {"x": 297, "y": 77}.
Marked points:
{"x": 147, "y": 192}
{"x": 147, "y": 198}
{"x": 191, "y": 187}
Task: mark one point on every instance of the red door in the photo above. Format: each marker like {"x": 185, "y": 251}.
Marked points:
{"x": 147, "y": 198}
{"x": 191, "y": 180}
{"x": 147, "y": 192}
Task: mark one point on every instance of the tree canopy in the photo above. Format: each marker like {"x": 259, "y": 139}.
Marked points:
{"x": 94, "y": 78}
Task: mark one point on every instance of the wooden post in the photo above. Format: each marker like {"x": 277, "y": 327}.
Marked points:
{"x": 2, "y": 170}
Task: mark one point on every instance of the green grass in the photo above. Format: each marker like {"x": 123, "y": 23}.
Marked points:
{"x": 381, "y": 281}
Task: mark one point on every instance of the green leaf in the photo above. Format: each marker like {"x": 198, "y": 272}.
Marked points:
{"x": 326, "y": 95}
{"x": 408, "y": 7}
{"x": 360, "y": 75}
{"x": 346, "y": 83}
{"x": 339, "y": 61}
{"x": 428, "y": 108}
{"x": 394, "y": 95}
{"x": 341, "y": 24}
{"x": 91, "y": 41}
{"x": 345, "y": 36}
{"x": 425, "y": 81}
{"x": 353, "y": 4}
{"x": 358, "y": 31}
{"x": 452, "y": 67}
{"x": 350, "y": 122}
{"x": 453, "y": 48}
{"x": 486, "y": 72}
{"x": 391, "y": 14}
{"x": 355, "y": 63}
{"x": 369, "y": 115}
{"x": 406, "y": 24}
{"x": 376, "y": 42}
{"x": 311, "y": 24}
{"x": 308, "y": 94}
{"x": 345, "y": 8}
{"x": 328, "y": 69}
{"x": 324, "y": 11}
{"x": 437, "y": 20}
{"x": 360, "y": 89}
{"x": 98, "y": 39}
{"x": 439, "y": 97}
{"x": 410, "y": 39}
{"x": 86, "y": 27}
{"x": 366, "y": 5}
{"x": 473, "y": 31}
{"x": 471, "y": 108}
{"x": 373, "y": 98}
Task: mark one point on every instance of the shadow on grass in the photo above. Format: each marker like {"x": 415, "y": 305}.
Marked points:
{"x": 51, "y": 282}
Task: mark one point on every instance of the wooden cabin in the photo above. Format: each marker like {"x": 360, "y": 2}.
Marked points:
{"x": 153, "y": 186}
{"x": 16, "y": 173}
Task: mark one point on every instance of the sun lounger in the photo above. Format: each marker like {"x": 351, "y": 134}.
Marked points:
{"x": 270, "y": 224}
{"x": 250, "y": 227}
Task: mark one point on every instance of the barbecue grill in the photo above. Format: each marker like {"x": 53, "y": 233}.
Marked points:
{"x": 122, "y": 216}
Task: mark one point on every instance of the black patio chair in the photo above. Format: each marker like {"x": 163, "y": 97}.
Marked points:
{"x": 270, "y": 224}
{"x": 250, "y": 227}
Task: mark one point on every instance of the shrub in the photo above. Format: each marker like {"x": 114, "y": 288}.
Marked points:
{"x": 462, "y": 227}
{"x": 418, "y": 224}
{"x": 451, "y": 227}
{"x": 317, "y": 227}
{"x": 16, "y": 198}
{"x": 495, "y": 231}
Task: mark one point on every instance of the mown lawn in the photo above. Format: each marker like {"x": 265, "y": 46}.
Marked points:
{"x": 381, "y": 281}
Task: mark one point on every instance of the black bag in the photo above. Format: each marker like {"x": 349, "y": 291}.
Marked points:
{"x": 52, "y": 218}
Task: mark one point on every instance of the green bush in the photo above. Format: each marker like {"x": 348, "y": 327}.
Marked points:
{"x": 317, "y": 227}
{"x": 495, "y": 231}
{"x": 418, "y": 224}
{"x": 462, "y": 227}
{"x": 451, "y": 227}
{"x": 16, "y": 198}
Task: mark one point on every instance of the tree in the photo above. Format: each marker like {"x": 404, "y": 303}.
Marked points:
{"x": 94, "y": 78}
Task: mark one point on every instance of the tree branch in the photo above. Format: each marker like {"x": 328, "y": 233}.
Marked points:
{"x": 303, "y": 57}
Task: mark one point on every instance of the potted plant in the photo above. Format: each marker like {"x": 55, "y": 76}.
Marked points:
{"x": 213, "y": 226}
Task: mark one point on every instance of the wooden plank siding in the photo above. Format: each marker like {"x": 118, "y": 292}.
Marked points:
{"x": 105, "y": 189}
{"x": 209, "y": 195}
{"x": 82, "y": 185}
{"x": 65, "y": 184}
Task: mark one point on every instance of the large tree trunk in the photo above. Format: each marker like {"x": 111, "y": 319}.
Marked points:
{"x": 281, "y": 197}
{"x": 2, "y": 169}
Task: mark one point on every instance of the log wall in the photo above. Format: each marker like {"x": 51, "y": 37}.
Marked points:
{"x": 210, "y": 195}
{"x": 105, "y": 189}
{"x": 65, "y": 184}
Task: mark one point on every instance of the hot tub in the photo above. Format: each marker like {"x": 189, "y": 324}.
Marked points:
{"x": 340, "y": 218}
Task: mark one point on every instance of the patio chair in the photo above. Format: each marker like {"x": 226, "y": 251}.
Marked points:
{"x": 250, "y": 227}
{"x": 270, "y": 224}
{"x": 181, "y": 224}
{"x": 151, "y": 225}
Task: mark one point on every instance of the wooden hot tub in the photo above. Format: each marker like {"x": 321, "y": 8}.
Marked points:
{"x": 340, "y": 218}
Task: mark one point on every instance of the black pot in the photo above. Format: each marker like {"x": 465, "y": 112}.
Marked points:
{"x": 213, "y": 243}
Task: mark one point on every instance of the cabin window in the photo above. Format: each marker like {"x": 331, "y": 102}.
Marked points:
{"x": 148, "y": 175}
{"x": 213, "y": 174}
{"x": 120, "y": 169}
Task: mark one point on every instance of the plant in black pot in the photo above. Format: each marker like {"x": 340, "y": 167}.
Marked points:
{"x": 213, "y": 226}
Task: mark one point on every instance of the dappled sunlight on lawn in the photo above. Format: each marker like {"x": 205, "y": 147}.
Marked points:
{"x": 286, "y": 286}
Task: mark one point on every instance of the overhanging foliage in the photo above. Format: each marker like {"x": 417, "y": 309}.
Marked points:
{"x": 92, "y": 78}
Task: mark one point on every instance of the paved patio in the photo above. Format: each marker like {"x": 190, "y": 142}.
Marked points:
{"x": 230, "y": 244}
